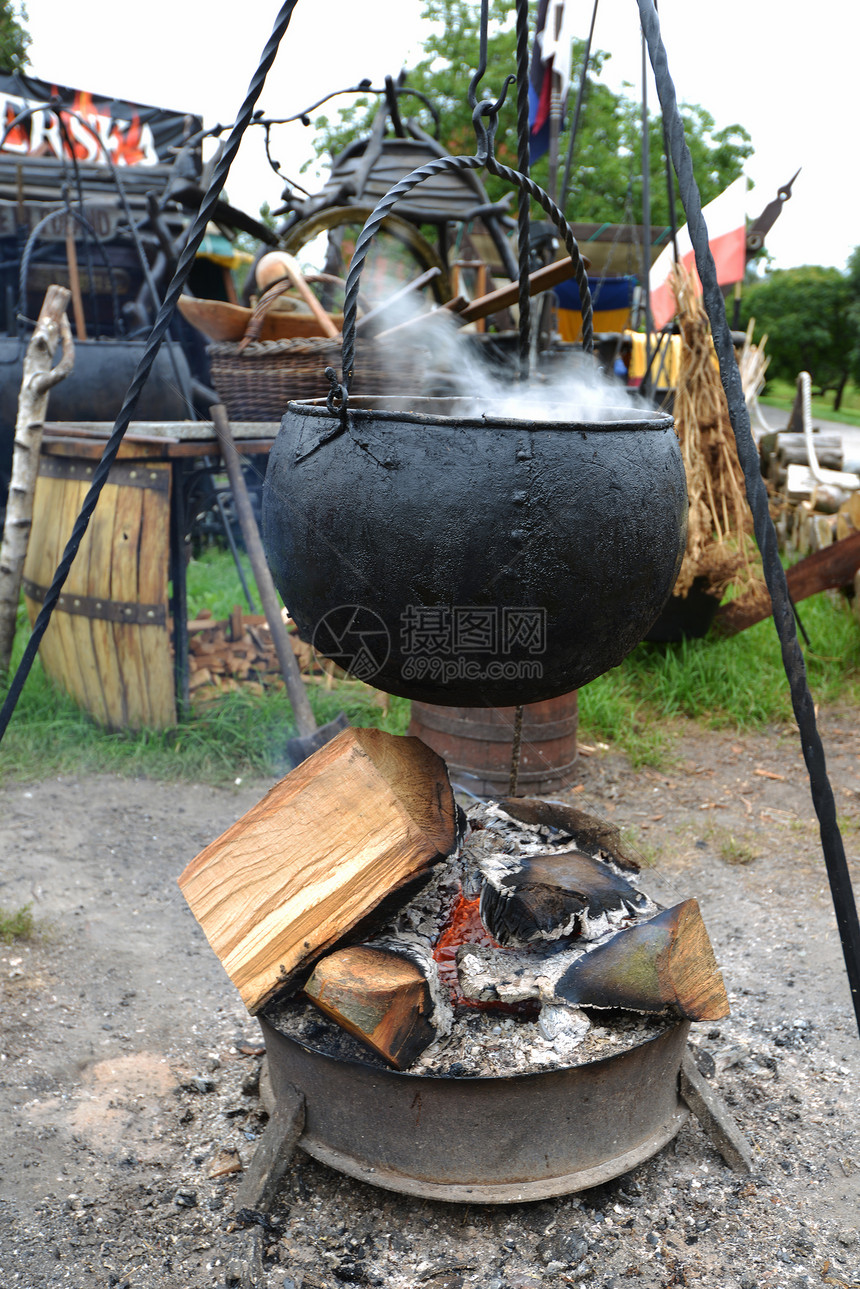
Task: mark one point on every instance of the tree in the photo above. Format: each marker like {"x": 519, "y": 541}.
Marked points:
{"x": 807, "y": 315}
{"x": 854, "y": 311}
{"x": 14, "y": 38}
{"x": 607, "y": 182}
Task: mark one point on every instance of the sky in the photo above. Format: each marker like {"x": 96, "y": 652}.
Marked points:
{"x": 788, "y": 76}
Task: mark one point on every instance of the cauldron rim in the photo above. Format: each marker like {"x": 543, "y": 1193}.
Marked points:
{"x": 369, "y": 407}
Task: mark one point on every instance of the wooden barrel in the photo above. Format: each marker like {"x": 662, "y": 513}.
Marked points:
{"x": 476, "y": 744}
{"x": 108, "y": 643}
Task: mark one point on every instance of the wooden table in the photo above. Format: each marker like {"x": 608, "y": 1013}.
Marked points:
{"x": 110, "y": 642}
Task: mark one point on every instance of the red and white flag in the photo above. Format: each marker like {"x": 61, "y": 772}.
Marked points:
{"x": 725, "y": 217}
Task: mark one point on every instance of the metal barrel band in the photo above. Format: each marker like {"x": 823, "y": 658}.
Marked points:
{"x": 410, "y": 181}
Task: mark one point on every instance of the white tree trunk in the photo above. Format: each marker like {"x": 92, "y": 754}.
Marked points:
{"x": 37, "y": 381}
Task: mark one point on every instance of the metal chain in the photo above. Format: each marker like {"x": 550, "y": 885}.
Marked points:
{"x": 516, "y": 750}
{"x": 523, "y": 208}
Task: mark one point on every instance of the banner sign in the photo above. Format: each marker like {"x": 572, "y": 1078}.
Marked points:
{"x": 133, "y": 133}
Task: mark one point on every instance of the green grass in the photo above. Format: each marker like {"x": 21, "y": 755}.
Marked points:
{"x": 239, "y": 735}
{"x": 737, "y": 683}
{"x": 19, "y": 925}
{"x": 213, "y": 583}
{"x": 780, "y": 394}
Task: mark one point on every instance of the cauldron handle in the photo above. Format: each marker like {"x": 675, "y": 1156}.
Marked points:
{"x": 339, "y": 392}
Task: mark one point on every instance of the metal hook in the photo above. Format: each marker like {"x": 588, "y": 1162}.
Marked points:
{"x": 486, "y": 134}
{"x": 338, "y": 395}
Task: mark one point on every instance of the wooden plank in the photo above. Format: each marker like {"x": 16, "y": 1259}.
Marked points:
{"x": 715, "y": 1117}
{"x": 356, "y": 824}
{"x": 826, "y": 569}
{"x": 80, "y": 627}
{"x": 152, "y": 587}
{"x": 92, "y": 449}
{"x": 159, "y": 431}
{"x": 41, "y": 561}
{"x": 100, "y": 547}
{"x": 124, "y": 587}
{"x": 85, "y": 574}
{"x": 80, "y": 433}
{"x": 72, "y": 675}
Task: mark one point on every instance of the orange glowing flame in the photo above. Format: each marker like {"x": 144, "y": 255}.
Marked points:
{"x": 464, "y": 926}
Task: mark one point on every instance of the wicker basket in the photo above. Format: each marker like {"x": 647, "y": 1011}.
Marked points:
{"x": 255, "y": 379}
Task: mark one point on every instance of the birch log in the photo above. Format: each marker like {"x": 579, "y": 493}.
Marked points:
{"x": 37, "y": 381}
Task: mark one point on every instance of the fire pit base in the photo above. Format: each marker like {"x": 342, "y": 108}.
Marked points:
{"x": 484, "y": 1140}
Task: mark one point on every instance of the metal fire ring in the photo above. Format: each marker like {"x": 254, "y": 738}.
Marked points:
{"x": 484, "y": 1140}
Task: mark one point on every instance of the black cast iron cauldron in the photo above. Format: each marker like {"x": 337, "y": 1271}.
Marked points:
{"x": 449, "y": 554}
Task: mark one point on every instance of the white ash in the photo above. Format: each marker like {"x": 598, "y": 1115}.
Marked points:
{"x": 487, "y": 1045}
{"x": 564, "y": 1027}
{"x": 490, "y": 975}
{"x": 543, "y": 839}
{"x": 478, "y": 1043}
{"x": 483, "y": 1044}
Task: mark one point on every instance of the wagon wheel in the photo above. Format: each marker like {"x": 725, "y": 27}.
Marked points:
{"x": 400, "y": 252}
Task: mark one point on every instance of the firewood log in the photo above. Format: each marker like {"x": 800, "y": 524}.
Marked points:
{"x": 552, "y": 896}
{"x": 587, "y": 831}
{"x": 387, "y": 996}
{"x": 347, "y": 833}
{"x": 663, "y": 965}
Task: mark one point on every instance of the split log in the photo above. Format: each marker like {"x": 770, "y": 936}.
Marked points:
{"x": 848, "y": 516}
{"x": 38, "y": 379}
{"x": 791, "y": 449}
{"x": 826, "y": 569}
{"x": 664, "y": 965}
{"x": 554, "y": 896}
{"x": 387, "y": 997}
{"x": 349, "y": 833}
{"x": 587, "y": 831}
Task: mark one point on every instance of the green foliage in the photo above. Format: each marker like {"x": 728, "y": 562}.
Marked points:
{"x": 607, "y": 166}
{"x": 212, "y": 583}
{"x": 17, "y": 925}
{"x": 806, "y": 313}
{"x": 854, "y": 311}
{"x": 237, "y": 736}
{"x": 14, "y": 37}
{"x": 780, "y": 394}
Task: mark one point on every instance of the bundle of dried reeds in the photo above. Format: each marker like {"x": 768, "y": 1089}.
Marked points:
{"x": 720, "y": 546}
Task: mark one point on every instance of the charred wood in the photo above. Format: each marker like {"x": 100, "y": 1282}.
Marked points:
{"x": 553, "y": 896}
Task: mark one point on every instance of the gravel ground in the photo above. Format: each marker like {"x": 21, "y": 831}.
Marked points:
{"x": 129, "y": 1069}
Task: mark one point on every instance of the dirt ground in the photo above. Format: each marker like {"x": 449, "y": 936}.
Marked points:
{"x": 129, "y": 1068}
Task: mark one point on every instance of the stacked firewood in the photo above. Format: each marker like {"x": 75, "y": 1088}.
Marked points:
{"x": 238, "y": 652}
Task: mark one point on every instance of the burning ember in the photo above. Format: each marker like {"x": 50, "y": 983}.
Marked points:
{"x": 395, "y": 931}
{"x": 508, "y": 1013}
{"x": 464, "y": 926}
